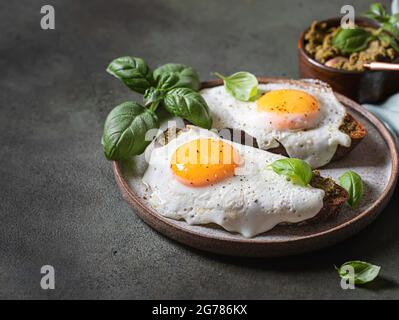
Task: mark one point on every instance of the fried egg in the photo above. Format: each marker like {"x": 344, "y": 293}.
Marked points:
{"x": 303, "y": 116}
{"x": 201, "y": 178}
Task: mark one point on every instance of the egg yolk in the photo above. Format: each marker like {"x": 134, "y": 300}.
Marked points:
{"x": 202, "y": 162}
{"x": 290, "y": 109}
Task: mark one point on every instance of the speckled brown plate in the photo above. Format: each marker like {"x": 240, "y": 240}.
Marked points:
{"x": 375, "y": 159}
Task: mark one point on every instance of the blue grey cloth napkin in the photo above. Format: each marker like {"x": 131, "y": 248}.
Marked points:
{"x": 388, "y": 112}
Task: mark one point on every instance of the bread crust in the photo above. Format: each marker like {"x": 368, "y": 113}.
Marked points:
{"x": 350, "y": 126}
{"x": 334, "y": 198}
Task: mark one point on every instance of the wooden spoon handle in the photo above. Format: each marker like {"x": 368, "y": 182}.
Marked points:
{"x": 382, "y": 66}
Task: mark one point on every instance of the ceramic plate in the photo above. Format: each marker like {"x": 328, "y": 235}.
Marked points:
{"x": 375, "y": 159}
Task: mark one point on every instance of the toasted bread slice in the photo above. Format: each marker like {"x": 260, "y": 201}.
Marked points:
{"x": 335, "y": 196}
{"x": 350, "y": 126}
{"x": 355, "y": 130}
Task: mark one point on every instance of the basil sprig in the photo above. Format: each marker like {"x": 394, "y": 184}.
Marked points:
{"x": 172, "y": 85}
{"x": 358, "y": 38}
{"x": 185, "y": 76}
{"x": 353, "y": 184}
{"x": 364, "y": 272}
{"x": 389, "y": 30}
{"x": 241, "y": 85}
{"x": 296, "y": 170}
{"x": 378, "y": 13}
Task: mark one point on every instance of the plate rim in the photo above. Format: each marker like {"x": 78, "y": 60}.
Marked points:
{"x": 151, "y": 217}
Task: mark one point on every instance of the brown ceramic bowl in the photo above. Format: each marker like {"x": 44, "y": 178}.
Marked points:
{"x": 361, "y": 86}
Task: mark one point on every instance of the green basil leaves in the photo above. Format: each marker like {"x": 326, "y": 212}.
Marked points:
{"x": 353, "y": 184}
{"x": 352, "y": 40}
{"x": 189, "y": 105}
{"x": 173, "y": 86}
{"x": 377, "y": 12}
{"x": 363, "y": 272}
{"x": 125, "y": 130}
{"x": 296, "y": 170}
{"x": 388, "y": 31}
{"x": 389, "y": 39}
{"x": 173, "y": 75}
{"x": 394, "y": 19}
{"x": 241, "y": 85}
{"x": 358, "y": 38}
{"x": 391, "y": 29}
{"x": 133, "y": 72}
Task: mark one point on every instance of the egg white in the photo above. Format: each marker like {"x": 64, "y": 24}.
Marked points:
{"x": 317, "y": 146}
{"x": 251, "y": 202}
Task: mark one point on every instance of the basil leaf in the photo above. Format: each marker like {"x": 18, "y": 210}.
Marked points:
{"x": 296, "y": 170}
{"x": 173, "y": 75}
{"x": 394, "y": 19}
{"x": 166, "y": 81}
{"x": 391, "y": 29}
{"x": 190, "y": 105}
{"x": 377, "y": 12}
{"x": 241, "y": 85}
{"x": 133, "y": 72}
{"x": 351, "y": 40}
{"x": 125, "y": 130}
{"x": 363, "y": 271}
{"x": 352, "y": 183}
{"x": 389, "y": 39}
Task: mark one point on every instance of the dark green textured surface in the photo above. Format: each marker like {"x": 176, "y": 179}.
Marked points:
{"x": 59, "y": 201}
